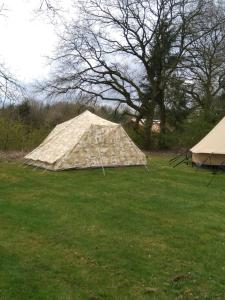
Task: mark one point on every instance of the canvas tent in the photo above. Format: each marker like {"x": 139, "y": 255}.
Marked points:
{"x": 211, "y": 149}
{"x": 86, "y": 141}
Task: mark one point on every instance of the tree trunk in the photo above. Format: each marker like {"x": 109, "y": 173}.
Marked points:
{"x": 148, "y": 130}
{"x": 162, "y": 137}
{"x": 162, "y": 118}
{"x": 208, "y": 110}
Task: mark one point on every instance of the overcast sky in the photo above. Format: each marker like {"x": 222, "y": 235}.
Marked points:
{"x": 26, "y": 39}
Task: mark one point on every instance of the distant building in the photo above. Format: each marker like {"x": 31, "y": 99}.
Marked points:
{"x": 155, "y": 125}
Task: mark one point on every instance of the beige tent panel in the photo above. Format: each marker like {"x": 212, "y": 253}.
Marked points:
{"x": 103, "y": 146}
{"x": 213, "y": 142}
{"x": 208, "y": 159}
{"x": 86, "y": 141}
{"x": 211, "y": 149}
{"x": 64, "y": 137}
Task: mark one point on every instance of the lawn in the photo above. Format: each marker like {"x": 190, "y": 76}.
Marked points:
{"x": 132, "y": 234}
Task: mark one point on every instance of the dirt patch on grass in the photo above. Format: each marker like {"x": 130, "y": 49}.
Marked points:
{"x": 12, "y": 155}
{"x": 18, "y": 155}
{"x": 165, "y": 152}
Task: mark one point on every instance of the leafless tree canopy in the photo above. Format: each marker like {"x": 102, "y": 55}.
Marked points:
{"x": 129, "y": 51}
{"x": 9, "y": 87}
{"x": 50, "y": 8}
{"x": 46, "y": 4}
{"x": 206, "y": 63}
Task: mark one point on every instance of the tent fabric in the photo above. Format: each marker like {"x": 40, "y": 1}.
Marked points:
{"x": 208, "y": 159}
{"x": 84, "y": 142}
{"x": 211, "y": 149}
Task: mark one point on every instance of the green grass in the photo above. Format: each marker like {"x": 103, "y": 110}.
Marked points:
{"x": 132, "y": 234}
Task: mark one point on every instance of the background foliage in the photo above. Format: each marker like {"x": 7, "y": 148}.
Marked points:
{"x": 23, "y": 126}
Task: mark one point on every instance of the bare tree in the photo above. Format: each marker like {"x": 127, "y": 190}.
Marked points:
{"x": 50, "y": 8}
{"x": 127, "y": 51}
{"x": 9, "y": 86}
{"x": 206, "y": 62}
{"x": 47, "y": 4}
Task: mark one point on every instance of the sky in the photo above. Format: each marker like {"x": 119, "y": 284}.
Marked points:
{"x": 26, "y": 39}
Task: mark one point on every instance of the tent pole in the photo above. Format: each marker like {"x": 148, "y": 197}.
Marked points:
{"x": 100, "y": 158}
{"x": 147, "y": 165}
{"x": 147, "y": 168}
{"x": 22, "y": 163}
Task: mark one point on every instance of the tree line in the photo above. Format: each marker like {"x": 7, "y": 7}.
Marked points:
{"x": 161, "y": 58}
{"x": 24, "y": 125}
{"x": 141, "y": 59}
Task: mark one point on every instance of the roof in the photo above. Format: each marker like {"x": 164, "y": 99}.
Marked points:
{"x": 65, "y": 136}
{"x": 213, "y": 142}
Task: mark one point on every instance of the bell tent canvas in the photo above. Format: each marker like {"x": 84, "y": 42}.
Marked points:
{"x": 86, "y": 141}
{"x": 211, "y": 149}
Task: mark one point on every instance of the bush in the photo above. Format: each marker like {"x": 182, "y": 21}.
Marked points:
{"x": 18, "y": 136}
{"x": 191, "y": 132}
{"x": 137, "y": 136}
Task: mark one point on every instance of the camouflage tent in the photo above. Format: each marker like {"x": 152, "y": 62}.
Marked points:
{"x": 84, "y": 142}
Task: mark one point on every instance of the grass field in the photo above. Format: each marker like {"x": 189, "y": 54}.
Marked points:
{"x": 132, "y": 234}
